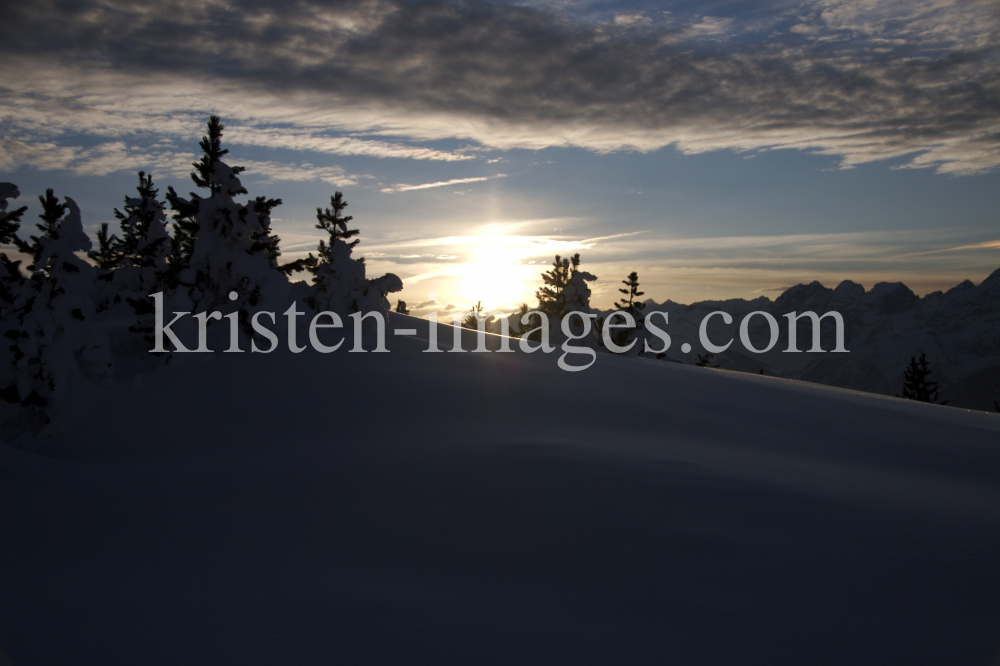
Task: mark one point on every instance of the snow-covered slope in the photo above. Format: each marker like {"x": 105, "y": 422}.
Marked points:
{"x": 476, "y": 508}
{"x": 959, "y": 330}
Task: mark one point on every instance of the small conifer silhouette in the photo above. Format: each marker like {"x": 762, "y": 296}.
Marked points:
{"x": 917, "y": 382}
{"x": 706, "y": 360}
{"x": 472, "y": 321}
{"x": 631, "y": 305}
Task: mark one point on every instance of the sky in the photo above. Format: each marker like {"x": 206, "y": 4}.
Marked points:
{"x": 720, "y": 149}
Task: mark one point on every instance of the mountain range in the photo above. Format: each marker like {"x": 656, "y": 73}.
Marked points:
{"x": 958, "y": 330}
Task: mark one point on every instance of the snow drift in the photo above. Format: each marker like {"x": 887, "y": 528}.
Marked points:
{"x": 405, "y": 507}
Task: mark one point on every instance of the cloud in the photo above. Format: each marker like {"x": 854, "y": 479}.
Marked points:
{"x": 985, "y": 245}
{"x": 115, "y": 156}
{"x": 292, "y": 139}
{"x": 414, "y": 258}
{"x": 443, "y": 183}
{"x": 709, "y": 26}
{"x": 98, "y": 160}
{"x": 304, "y": 172}
{"x": 861, "y": 81}
{"x": 632, "y": 20}
{"x": 516, "y": 247}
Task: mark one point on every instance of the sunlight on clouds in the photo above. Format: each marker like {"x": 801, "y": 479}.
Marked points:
{"x": 500, "y": 269}
{"x": 504, "y": 269}
{"x": 304, "y": 172}
{"x": 402, "y": 187}
{"x": 316, "y": 140}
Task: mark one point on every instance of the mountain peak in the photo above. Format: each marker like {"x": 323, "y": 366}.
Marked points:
{"x": 794, "y": 297}
{"x": 962, "y": 286}
{"x": 892, "y": 297}
{"x": 994, "y": 278}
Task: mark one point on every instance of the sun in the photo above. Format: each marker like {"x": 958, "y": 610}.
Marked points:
{"x": 494, "y": 277}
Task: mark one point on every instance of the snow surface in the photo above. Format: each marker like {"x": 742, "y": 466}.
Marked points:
{"x": 409, "y": 508}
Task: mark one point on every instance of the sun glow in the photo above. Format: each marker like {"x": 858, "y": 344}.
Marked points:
{"x": 495, "y": 277}
{"x": 499, "y": 269}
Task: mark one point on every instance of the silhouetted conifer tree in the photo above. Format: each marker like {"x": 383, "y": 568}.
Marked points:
{"x": 11, "y": 278}
{"x": 550, "y": 297}
{"x": 143, "y": 252}
{"x": 186, "y": 224}
{"x": 334, "y": 222}
{"x": 211, "y": 154}
{"x": 472, "y": 321}
{"x": 631, "y": 306}
{"x": 52, "y": 215}
{"x": 706, "y": 360}
{"x": 218, "y": 178}
{"x": 107, "y": 255}
{"x": 10, "y": 221}
{"x": 565, "y": 288}
{"x": 221, "y": 246}
{"x": 917, "y": 382}
{"x": 339, "y": 279}
{"x": 264, "y": 240}
{"x": 144, "y": 239}
{"x": 534, "y": 321}
{"x": 49, "y": 315}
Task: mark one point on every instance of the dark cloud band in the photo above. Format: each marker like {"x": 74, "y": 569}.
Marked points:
{"x": 829, "y": 77}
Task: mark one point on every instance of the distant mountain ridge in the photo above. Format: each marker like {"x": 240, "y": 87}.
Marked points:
{"x": 958, "y": 330}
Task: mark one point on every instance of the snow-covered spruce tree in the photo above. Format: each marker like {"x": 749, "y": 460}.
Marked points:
{"x": 144, "y": 242}
{"x": 10, "y": 221}
{"x": 220, "y": 245}
{"x": 12, "y": 286}
{"x": 917, "y": 382}
{"x": 550, "y": 295}
{"x": 49, "y": 320}
{"x": 576, "y": 295}
{"x": 137, "y": 260}
{"x": 565, "y": 288}
{"x": 11, "y": 278}
{"x": 339, "y": 282}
